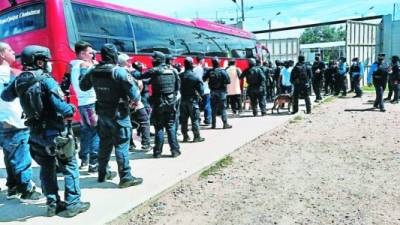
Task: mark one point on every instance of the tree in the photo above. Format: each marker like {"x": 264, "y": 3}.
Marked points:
{"x": 322, "y": 34}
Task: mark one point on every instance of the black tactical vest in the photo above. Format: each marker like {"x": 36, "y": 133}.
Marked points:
{"x": 111, "y": 98}
{"x": 355, "y": 68}
{"x": 164, "y": 82}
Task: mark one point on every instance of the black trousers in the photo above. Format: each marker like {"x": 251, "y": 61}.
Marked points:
{"x": 235, "y": 101}
{"x": 301, "y": 91}
{"x": 317, "y": 87}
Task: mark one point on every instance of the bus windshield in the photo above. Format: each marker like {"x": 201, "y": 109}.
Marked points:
{"x": 22, "y": 19}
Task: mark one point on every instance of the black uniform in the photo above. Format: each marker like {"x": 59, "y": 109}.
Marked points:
{"x": 317, "y": 78}
{"x": 379, "y": 78}
{"x": 191, "y": 90}
{"x": 396, "y": 80}
{"x": 256, "y": 88}
{"x": 115, "y": 91}
{"x": 165, "y": 83}
{"x": 329, "y": 76}
{"x": 300, "y": 78}
{"x": 218, "y": 80}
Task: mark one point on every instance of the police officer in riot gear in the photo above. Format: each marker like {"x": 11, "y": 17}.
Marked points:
{"x": 329, "y": 76}
{"x": 116, "y": 93}
{"x": 256, "y": 87}
{"x": 42, "y": 101}
{"x": 378, "y": 75}
{"x": 395, "y": 78}
{"x": 317, "y": 69}
{"x": 165, "y": 82}
{"x": 356, "y": 73}
{"x": 191, "y": 90}
{"x": 218, "y": 79}
{"x": 300, "y": 78}
{"x": 277, "y": 73}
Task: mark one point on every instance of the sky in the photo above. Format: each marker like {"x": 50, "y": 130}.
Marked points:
{"x": 259, "y": 12}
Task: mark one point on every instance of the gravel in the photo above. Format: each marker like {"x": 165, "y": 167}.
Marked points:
{"x": 339, "y": 165}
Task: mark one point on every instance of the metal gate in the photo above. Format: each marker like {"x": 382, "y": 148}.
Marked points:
{"x": 361, "y": 42}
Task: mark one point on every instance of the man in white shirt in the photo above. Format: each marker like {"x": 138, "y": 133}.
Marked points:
{"x": 89, "y": 138}
{"x": 14, "y": 135}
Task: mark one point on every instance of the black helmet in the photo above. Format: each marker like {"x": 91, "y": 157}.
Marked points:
{"x": 215, "y": 62}
{"x": 302, "y": 58}
{"x": 158, "y": 58}
{"x": 252, "y": 62}
{"x": 109, "y": 53}
{"x": 31, "y": 53}
{"x": 395, "y": 59}
{"x": 188, "y": 63}
{"x": 168, "y": 59}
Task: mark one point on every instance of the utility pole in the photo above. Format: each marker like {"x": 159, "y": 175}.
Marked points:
{"x": 269, "y": 26}
{"x": 394, "y": 11}
{"x": 242, "y": 11}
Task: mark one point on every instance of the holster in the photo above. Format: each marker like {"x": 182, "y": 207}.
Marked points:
{"x": 65, "y": 146}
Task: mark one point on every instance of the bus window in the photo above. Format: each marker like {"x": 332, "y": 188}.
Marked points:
{"x": 22, "y": 19}
{"x": 96, "y": 42}
{"x": 96, "y": 21}
{"x": 151, "y": 34}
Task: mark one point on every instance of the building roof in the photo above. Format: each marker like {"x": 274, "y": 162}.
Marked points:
{"x": 323, "y": 45}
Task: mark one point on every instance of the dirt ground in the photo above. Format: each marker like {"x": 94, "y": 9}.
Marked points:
{"x": 340, "y": 165}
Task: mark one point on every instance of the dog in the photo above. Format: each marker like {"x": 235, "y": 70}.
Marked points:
{"x": 280, "y": 100}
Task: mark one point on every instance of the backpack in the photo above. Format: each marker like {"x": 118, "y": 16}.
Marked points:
{"x": 30, "y": 92}
{"x": 252, "y": 78}
{"x": 215, "y": 79}
{"x": 302, "y": 78}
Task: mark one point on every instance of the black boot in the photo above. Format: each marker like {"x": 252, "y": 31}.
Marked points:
{"x": 198, "y": 139}
{"x": 186, "y": 138}
{"x": 227, "y": 126}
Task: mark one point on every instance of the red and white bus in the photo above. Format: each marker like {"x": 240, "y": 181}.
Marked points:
{"x": 59, "y": 24}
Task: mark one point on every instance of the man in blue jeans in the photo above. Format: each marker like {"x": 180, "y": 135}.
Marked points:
{"x": 14, "y": 136}
{"x": 86, "y": 105}
{"x": 199, "y": 71}
{"x": 35, "y": 87}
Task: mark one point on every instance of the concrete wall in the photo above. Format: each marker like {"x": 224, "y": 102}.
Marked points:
{"x": 395, "y": 38}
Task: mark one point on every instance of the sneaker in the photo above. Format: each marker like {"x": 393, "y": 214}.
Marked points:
{"x": 213, "y": 126}
{"x": 175, "y": 153}
{"x": 54, "y": 209}
{"x": 132, "y": 147}
{"x": 31, "y": 195}
{"x": 146, "y": 148}
{"x": 198, "y": 139}
{"x": 382, "y": 110}
{"x": 108, "y": 176}
{"x": 84, "y": 165}
{"x": 93, "y": 168}
{"x": 133, "y": 181}
{"x": 12, "y": 192}
{"x": 75, "y": 210}
{"x": 394, "y": 102}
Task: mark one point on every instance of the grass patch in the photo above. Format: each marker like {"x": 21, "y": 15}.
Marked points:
{"x": 368, "y": 89}
{"x": 223, "y": 163}
{"x": 296, "y": 119}
{"x": 329, "y": 99}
